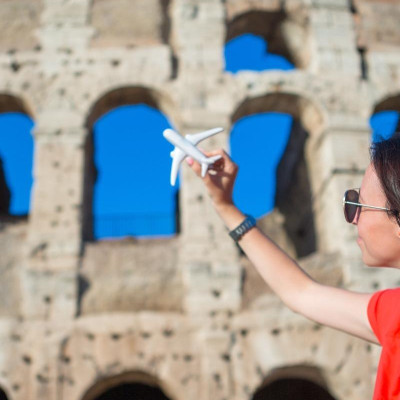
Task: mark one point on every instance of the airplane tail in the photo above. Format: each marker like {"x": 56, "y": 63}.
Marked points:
{"x": 205, "y": 165}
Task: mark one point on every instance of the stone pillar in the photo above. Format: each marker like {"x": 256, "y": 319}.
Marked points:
{"x": 198, "y": 36}
{"x": 49, "y": 280}
{"x": 216, "y": 375}
{"x": 209, "y": 259}
{"x": 211, "y": 270}
{"x": 334, "y": 37}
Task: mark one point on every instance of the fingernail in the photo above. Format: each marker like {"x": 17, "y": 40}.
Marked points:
{"x": 189, "y": 160}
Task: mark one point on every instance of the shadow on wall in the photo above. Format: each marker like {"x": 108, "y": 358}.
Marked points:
{"x": 5, "y": 194}
{"x": 293, "y": 196}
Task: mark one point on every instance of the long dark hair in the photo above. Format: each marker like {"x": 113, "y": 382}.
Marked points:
{"x": 385, "y": 157}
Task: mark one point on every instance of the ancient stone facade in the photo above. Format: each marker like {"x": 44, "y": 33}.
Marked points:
{"x": 188, "y": 314}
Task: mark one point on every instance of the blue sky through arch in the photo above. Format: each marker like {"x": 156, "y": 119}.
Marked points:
{"x": 250, "y": 52}
{"x": 132, "y": 194}
{"x": 257, "y": 144}
{"x": 16, "y": 153}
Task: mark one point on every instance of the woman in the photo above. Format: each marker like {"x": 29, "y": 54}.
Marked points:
{"x": 374, "y": 210}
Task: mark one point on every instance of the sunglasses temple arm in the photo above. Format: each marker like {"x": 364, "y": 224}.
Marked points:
{"x": 365, "y": 205}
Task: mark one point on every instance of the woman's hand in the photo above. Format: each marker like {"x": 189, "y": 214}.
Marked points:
{"x": 220, "y": 177}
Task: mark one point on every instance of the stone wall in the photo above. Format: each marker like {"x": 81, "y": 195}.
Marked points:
{"x": 190, "y": 314}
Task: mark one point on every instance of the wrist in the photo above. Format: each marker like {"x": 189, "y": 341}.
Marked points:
{"x": 223, "y": 207}
{"x": 230, "y": 214}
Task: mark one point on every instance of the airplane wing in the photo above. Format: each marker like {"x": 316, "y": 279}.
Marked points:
{"x": 177, "y": 157}
{"x": 182, "y": 148}
{"x": 198, "y": 137}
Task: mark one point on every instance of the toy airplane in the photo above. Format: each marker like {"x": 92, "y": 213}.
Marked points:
{"x": 186, "y": 146}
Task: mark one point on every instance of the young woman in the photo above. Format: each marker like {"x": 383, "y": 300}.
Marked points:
{"x": 374, "y": 210}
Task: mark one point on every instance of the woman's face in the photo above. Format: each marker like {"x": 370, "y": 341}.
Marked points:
{"x": 378, "y": 235}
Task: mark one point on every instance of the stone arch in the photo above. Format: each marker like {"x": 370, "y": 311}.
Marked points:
{"x": 134, "y": 377}
{"x": 286, "y": 34}
{"x": 298, "y": 105}
{"x": 391, "y": 102}
{"x": 107, "y": 101}
{"x": 11, "y": 103}
{"x": 130, "y": 95}
{"x": 296, "y": 233}
{"x": 300, "y": 382}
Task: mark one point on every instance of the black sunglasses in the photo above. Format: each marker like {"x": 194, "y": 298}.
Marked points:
{"x": 351, "y": 206}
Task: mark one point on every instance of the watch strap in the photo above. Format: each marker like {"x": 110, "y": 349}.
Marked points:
{"x": 237, "y": 233}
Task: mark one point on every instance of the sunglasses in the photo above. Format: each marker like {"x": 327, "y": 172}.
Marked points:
{"x": 351, "y": 206}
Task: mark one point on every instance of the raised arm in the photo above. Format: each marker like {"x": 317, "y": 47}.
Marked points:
{"x": 334, "y": 307}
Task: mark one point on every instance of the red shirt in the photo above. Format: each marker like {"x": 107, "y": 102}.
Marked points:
{"x": 384, "y": 317}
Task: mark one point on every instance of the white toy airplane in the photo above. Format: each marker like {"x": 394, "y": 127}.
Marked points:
{"x": 186, "y": 146}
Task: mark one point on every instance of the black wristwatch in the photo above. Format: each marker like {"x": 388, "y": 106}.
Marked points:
{"x": 237, "y": 233}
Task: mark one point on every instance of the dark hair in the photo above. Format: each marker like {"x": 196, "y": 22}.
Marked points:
{"x": 385, "y": 157}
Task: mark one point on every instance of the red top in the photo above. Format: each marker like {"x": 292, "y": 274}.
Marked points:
{"x": 384, "y": 317}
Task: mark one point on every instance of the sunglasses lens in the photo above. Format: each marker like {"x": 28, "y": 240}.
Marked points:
{"x": 350, "y": 210}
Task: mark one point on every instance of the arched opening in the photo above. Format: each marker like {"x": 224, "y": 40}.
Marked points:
{"x": 133, "y": 391}
{"x": 127, "y": 191}
{"x": 131, "y": 385}
{"x": 292, "y": 388}
{"x": 271, "y": 31}
{"x": 295, "y": 382}
{"x": 292, "y": 197}
{"x": 385, "y": 120}
{"x": 16, "y": 159}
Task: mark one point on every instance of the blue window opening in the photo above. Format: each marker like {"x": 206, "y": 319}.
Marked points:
{"x": 250, "y": 52}
{"x": 257, "y": 144}
{"x": 384, "y": 124}
{"x": 16, "y": 161}
{"x": 132, "y": 193}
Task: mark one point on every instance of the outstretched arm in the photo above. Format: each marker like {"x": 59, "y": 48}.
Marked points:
{"x": 337, "y": 308}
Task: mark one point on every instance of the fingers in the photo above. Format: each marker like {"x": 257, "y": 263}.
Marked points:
{"x": 224, "y": 164}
